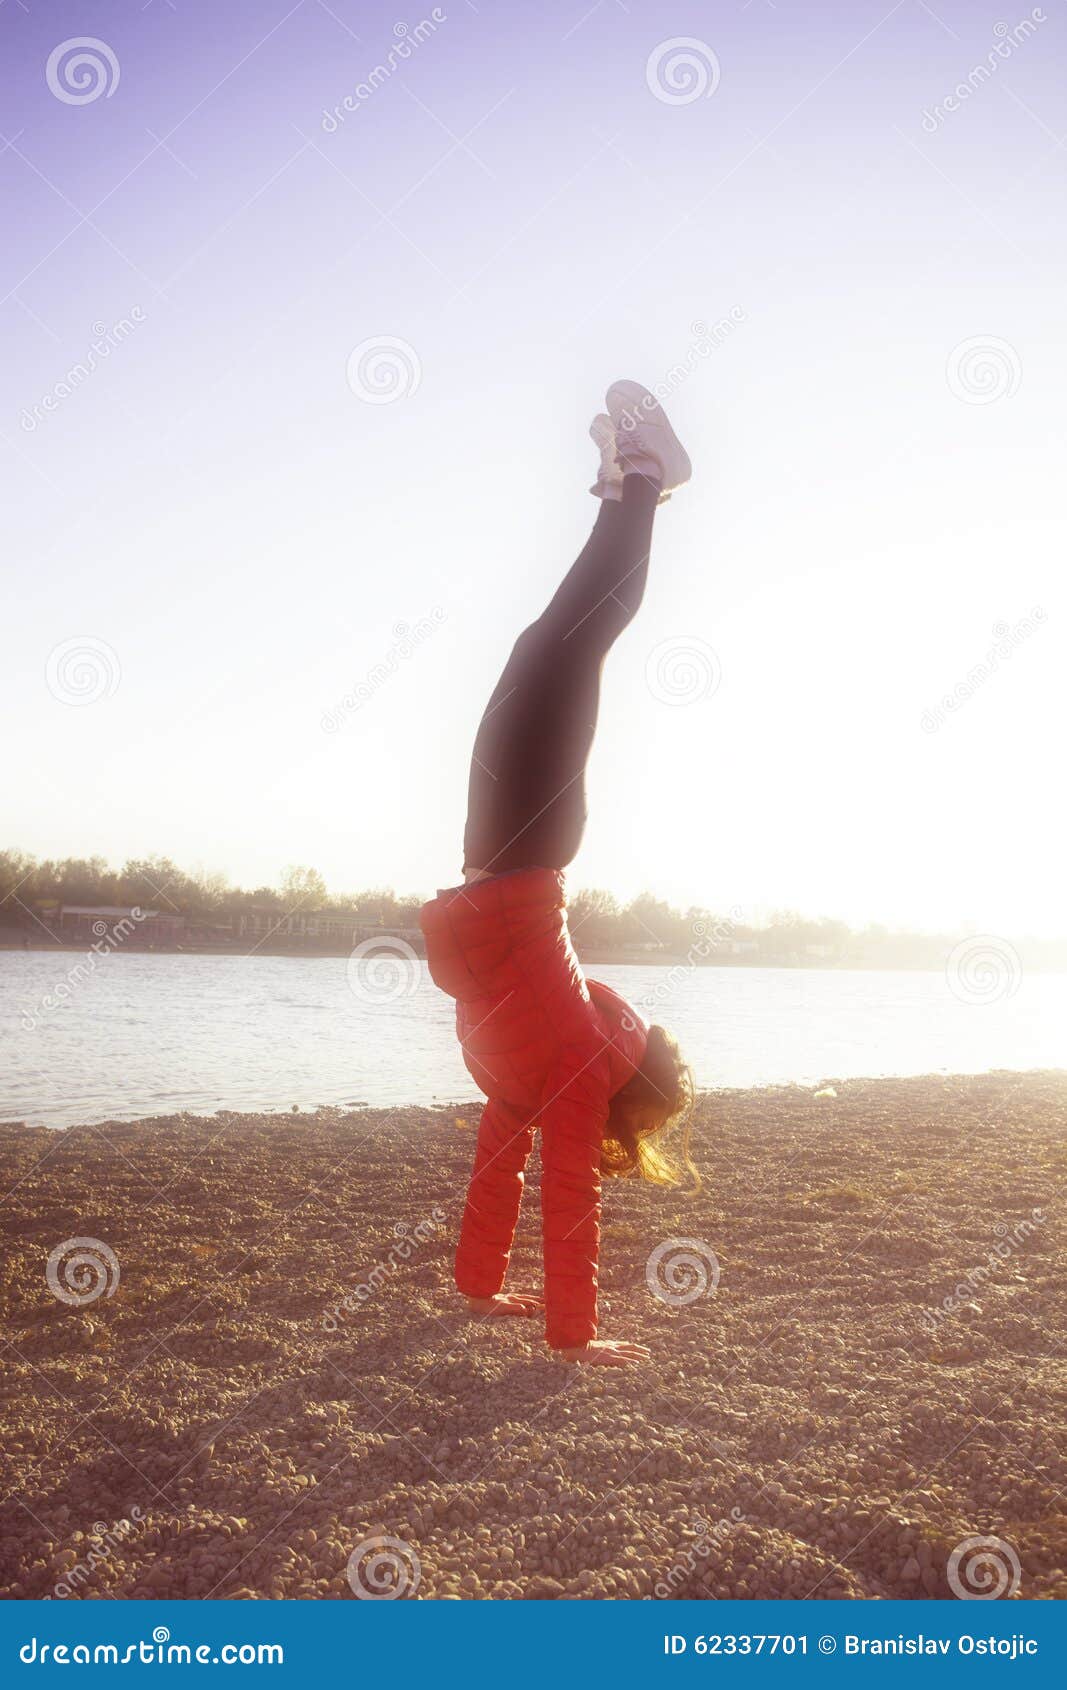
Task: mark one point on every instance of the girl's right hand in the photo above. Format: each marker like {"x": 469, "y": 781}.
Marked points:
{"x": 606, "y": 1352}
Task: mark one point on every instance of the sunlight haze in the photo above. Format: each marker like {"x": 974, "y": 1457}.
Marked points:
{"x": 246, "y": 534}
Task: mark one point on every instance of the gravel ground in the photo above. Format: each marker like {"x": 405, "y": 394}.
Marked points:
{"x": 270, "y": 1369}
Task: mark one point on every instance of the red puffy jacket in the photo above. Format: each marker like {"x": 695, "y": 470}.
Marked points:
{"x": 550, "y": 1049}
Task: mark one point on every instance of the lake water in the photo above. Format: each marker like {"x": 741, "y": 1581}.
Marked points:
{"x": 154, "y": 1034}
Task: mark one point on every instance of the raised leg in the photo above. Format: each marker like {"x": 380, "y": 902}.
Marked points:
{"x": 526, "y": 798}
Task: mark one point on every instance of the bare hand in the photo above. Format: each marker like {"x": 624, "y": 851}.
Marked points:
{"x": 606, "y": 1352}
{"x": 525, "y": 1303}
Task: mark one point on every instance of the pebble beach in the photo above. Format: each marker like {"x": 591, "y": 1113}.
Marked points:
{"x": 233, "y": 1364}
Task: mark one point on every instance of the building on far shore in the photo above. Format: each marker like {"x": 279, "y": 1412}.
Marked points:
{"x": 254, "y": 928}
{"x": 741, "y": 947}
{"x": 262, "y": 924}
{"x": 101, "y": 921}
{"x": 126, "y": 923}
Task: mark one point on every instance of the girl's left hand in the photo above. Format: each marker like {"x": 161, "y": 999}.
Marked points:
{"x": 507, "y": 1302}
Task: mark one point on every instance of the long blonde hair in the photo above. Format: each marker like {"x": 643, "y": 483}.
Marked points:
{"x": 647, "y": 1132}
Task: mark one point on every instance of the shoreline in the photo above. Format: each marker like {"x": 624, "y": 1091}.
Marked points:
{"x": 588, "y": 958}
{"x": 825, "y": 1086}
{"x": 277, "y": 1369}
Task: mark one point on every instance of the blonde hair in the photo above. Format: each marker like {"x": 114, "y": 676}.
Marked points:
{"x": 647, "y": 1131}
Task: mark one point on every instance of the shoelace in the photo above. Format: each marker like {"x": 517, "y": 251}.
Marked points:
{"x": 631, "y": 442}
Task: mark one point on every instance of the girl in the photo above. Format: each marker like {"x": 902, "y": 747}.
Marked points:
{"x": 550, "y": 1048}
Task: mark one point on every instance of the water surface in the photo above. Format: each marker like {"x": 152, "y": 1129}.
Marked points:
{"x": 154, "y": 1034}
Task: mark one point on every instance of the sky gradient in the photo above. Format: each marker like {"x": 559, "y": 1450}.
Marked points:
{"x": 253, "y": 611}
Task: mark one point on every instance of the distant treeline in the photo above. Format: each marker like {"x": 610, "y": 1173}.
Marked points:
{"x": 157, "y": 883}
{"x": 600, "y": 923}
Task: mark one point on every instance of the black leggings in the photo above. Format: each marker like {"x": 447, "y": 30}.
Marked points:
{"x": 526, "y": 799}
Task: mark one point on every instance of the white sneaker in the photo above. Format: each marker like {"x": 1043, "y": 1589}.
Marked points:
{"x": 608, "y": 484}
{"x": 645, "y": 442}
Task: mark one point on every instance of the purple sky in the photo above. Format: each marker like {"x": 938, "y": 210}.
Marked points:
{"x": 234, "y": 534}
